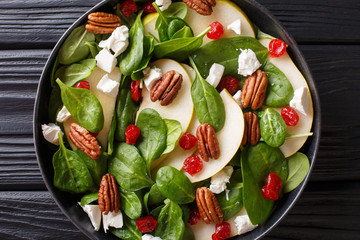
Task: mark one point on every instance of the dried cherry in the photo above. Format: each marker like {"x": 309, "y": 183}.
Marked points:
{"x": 193, "y": 165}
{"x": 272, "y": 188}
{"x": 135, "y": 90}
{"x": 187, "y": 141}
{"x": 132, "y": 133}
{"x": 277, "y": 48}
{"x": 222, "y": 231}
{"x": 128, "y": 7}
{"x": 194, "y": 216}
{"x": 148, "y": 7}
{"x": 216, "y": 31}
{"x": 230, "y": 83}
{"x": 146, "y": 224}
{"x": 290, "y": 116}
{"x": 83, "y": 84}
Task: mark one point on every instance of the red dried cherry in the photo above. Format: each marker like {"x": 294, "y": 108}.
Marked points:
{"x": 277, "y": 48}
{"x": 146, "y": 224}
{"x": 132, "y": 133}
{"x": 135, "y": 90}
{"x": 94, "y": 134}
{"x": 83, "y": 84}
{"x": 148, "y": 7}
{"x": 230, "y": 83}
{"x": 187, "y": 141}
{"x": 216, "y": 30}
{"x": 290, "y": 116}
{"x": 128, "y": 7}
{"x": 272, "y": 188}
{"x": 194, "y": 216}
{"x": 193, "y": 165}
{"x": 222, "y": 231}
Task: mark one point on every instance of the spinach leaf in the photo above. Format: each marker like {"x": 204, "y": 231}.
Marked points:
{"x": 74, "y": 73}
{"x": 126, "y": 109}
{"x": 155, "y": 196}
{"x": 279, "y": 91}
{"x": 183, "y": 33}
{"x": 89, "y": 198}
{"x": 188, "y": 234}
{"x": 230, "y": 48}
{"x": 161, "y": 24}
{"x": 272, "y": 128}
{"x": 83, "y": 106}
{"x": 130, "y": 204}
{"x": 299, "y": 166}
{"x": 153, "y": 135}
{"x": 156, "y": 211}
{"x": 260, "y": 34}
{"x": 55, "y": 103}
{"x": 170, "y": 223}
{"x": 234, "y": 204}
{"x": 74, "y": 48}
{"x": 129, "y": 231}
{"x": 94, "y": 48}
{"x": 175, "y": 185}
{"x": 97, "y": 168}
{"x": 53, "y": 71}
{"x": 209, "y": 106}
{"x": 174, "y": 130}
{"x": 131, "y": 58}
{"x": 177, "y": 24}
{"x": 235, "y": 161}
{"x": 70, "y": 172}
{"x": 110, "y": 146}
{"x": 186, "y": 212}
{"x": 257, "y": 162}
{"x": 129, "y": 168}
{"x": 149, "y": 44}
{"x": 176, "y": 9}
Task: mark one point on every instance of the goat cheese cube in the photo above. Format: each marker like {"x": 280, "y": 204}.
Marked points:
{"x": 215, "y": 74}
{"x": 300, "y": 100}
{"x": 243, "y": 224}
{"x": 63, "y": 115}
{"x": 149, "y": 237}
{"x": 108, "y": 86}
{"x": 247, "y": 62}
{"x": 50, "y": 133}
{"x": 235, "y": 26}
{"x": 94, "y": 213}
{"x": 163, "y": 4}
{"x": 105, "y": 60}
{"x": 151, "y": 75}
{"x": 120, "y": 40}
{"x": 112, "y": 219}
{"x": 237, "y": 97}
{"x": 219, "y": 180}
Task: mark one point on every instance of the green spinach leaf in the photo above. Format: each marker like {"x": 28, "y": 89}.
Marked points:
{"x": 97, "y": 168}
{"x": 53, "y": 71}
{"x": 188, "y": 234}
{"x": 149, "y": 44}
{"x": 233, "y": 204}
{"x": 94, "y": 48}
{"x": 129, "y": 231}
{"x": 89, "y": 198}
{"x": 130, "y": 204}
{"x": 155, "y": 196}
{"x": 183, "y": 33}
{"x": 74, "y": 73}
{"x": 299, "y": 166}
{"x": 174, "y": 130}
{"x": 177, "y": 24}
{"x": 272, "y": 128}
{"x": 176, "y": 9}
{"x": 83, "y": 106}
{"x": 55, "y": 103}
{"x": 111, "y": 137}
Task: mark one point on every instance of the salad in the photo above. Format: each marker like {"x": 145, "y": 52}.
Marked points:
{"x": 176, "y": 120}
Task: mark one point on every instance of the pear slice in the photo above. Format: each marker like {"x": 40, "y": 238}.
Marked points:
{"x": 224, "y": 12}
{"x": 297, "y": 80}
{"x": 181, "y": 108}
{"x": 107, "y": 102}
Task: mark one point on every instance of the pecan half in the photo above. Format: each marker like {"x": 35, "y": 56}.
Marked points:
{"x": 166, "y": 88}
{"x": 109, "y": 197}
{"x": 254, "y": 90}
{"x": 251, "y": 129}
{"x": 207, "y": 143}
{"x": 83, "y": 140}
{"x": 102, "y": 23}
{"x": 203, "y": 7}
{"x": 208, "y": 205}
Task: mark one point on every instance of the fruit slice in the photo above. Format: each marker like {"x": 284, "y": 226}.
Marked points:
{"x": 181, "y": 108}
{"x": 297, "y": 80}
{"x": 224, "y": 12}
{"x": 107, "y": 103}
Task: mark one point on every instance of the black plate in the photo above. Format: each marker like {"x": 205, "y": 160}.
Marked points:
{"x": 68, "y": 202}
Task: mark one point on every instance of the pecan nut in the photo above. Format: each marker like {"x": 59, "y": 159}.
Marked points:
{"x": 83, "y": 140}
{"x": 254, "y": 90}
{"x": 203, "y": 7}
{"x": 102, "y": 23}
{"x": 109, "y": 197}
{"x": 251, "y": 129}
{"x": 208, "y": 205}
{"x": 207, "y": 143}
{"x": 166, "y": 88}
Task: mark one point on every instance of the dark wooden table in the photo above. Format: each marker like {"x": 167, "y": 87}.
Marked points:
{"x": 328, "y": 32}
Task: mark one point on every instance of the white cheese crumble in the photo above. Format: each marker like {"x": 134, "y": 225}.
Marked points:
{"x": 112, "y": 219}
{"x": 215, "y": 74}
{"x": 163, "y": 4}
{"x": 235, "y": 26}
{"x": 300, "y": 100}
{"x": 94, "y": 213}
{"x": 51, "y": 132}
{"x": 237, "y": 97}
{"x": 247, "y": 62}
{"x": 118, "y": 41}
{"x": 108, "y": 86}
{"x": 150, "y": 237}
{"x": 219, "y": 180}
{"x": 151, "y": 75}
{"x": 105, "y": 60}
{"x": 243, "y": 224}
{"x": 63, "y": 115}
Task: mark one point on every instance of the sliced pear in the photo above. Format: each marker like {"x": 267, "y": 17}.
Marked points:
{"x": 190, "y": 71}
{"x": 224, "y": 12}
{"x": 181, "y": 108}
{"x": 107, "y": 103}
{"x": 297, "y": 80}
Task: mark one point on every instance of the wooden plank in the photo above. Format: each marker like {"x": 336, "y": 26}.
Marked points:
{"x": 39, "y": 24}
